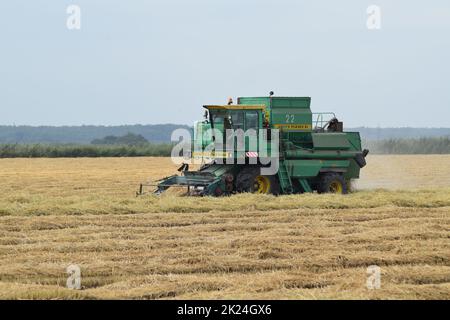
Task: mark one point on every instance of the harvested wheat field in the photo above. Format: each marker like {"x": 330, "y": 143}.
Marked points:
{"x": 57, "y": 212}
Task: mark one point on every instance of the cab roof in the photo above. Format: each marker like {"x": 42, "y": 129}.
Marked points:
{"x": 235, "y": 107}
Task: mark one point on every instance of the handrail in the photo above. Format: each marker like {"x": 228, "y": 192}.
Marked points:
{"x": 321, "y": 119}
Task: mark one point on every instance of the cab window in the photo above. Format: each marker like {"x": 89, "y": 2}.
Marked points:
{"x": 251, "y": 120}
{"x": 237, "y": 119}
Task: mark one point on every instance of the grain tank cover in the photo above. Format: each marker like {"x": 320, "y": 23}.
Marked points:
{"x": 291, "y": 102}
{"x": 278, "y": 102}
{"x": 289, "y": 114}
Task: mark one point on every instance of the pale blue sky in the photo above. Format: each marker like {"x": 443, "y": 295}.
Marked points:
{"x": 154, "y": 62}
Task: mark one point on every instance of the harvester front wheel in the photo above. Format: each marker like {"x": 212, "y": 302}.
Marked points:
{"x": 332, "y": 183}
{"x": 250, "y": 180}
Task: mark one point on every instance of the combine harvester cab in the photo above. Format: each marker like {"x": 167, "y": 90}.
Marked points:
{"x": 314, "y": 152}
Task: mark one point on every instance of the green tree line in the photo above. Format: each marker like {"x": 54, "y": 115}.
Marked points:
{"x": 391, "y": 146}
{"x": 437, "y": 145}
{"x": 158, "y": 133}
{"x": 129, "y": 139}
{"x": 75, "y": 151}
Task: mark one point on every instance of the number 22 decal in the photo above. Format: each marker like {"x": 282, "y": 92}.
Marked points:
{"x": 290, "y": 118}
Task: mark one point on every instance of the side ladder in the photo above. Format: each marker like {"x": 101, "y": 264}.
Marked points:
{"x": 285, "y": 179}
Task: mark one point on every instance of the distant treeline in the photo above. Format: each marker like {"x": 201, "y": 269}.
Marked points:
{"x": 129, "y": 139}
{"x": 390, "y": 146}
{"x": 161, "y": 133}
{"x": 371, "y": 134}
{"x": 75, "y": 151}
{"x": 158, "y": 133}
{"x": 438, "y": 145}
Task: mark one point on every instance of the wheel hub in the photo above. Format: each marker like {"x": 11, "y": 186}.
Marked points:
{"x": 336, "y": 187}
{"x": 261, "y": 184}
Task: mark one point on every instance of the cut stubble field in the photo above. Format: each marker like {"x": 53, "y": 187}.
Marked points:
{"x": 57, "y": 212}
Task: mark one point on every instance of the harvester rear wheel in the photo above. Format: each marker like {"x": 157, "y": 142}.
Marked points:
{"x": 250, "y": 180}
{"x": 332, "y": 183}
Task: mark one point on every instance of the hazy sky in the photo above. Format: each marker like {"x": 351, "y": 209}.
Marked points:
{"x": 154, "y": 62}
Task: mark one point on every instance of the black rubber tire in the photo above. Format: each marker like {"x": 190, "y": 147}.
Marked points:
{"x": 327, "y": 179}
{"x": 246, "y": 177}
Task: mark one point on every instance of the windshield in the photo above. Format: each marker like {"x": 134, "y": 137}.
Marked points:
{"x": 228, "y": 120}
{"x": 237, "y": 120}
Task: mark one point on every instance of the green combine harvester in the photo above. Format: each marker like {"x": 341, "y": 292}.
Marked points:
{"x": 313, "y": 153}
